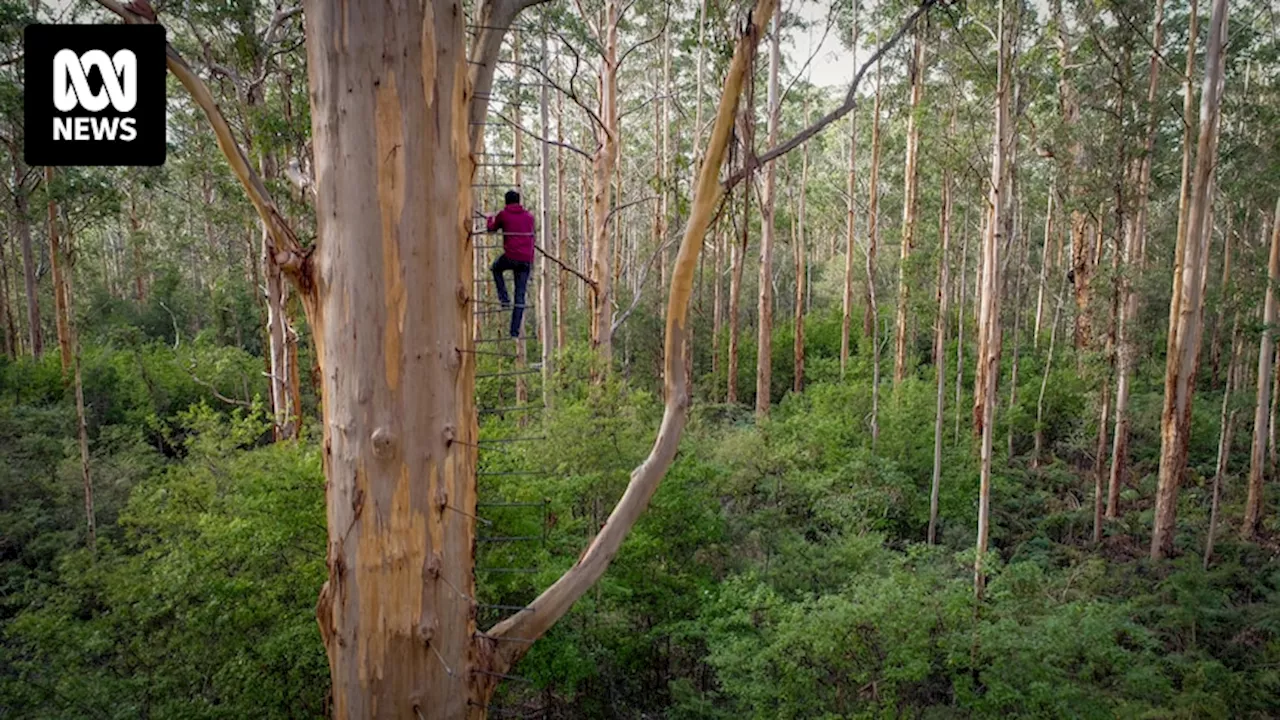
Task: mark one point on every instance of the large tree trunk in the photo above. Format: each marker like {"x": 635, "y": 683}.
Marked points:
{"x": 940, "y": 352}
{"x": 909, "y": 203}
{"x": 60, "y": 300}
{"x": 1266, "y": 361}
{"x": 602, "y": 169}
{"x": 989, "y": 313}
{"x": 1134, "y": 242}
{"x": 393, "y": 168}
{"x": 1187, "y": 302}
{"x": 768, "y": 204}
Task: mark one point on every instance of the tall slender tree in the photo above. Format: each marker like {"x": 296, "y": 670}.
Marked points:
{"x": 1186, "y": 305}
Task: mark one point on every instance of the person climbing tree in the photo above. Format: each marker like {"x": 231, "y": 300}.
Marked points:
{"x": 517, "y": 226}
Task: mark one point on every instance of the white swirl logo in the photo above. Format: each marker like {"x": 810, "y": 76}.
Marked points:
{"x": 119, "y": 80}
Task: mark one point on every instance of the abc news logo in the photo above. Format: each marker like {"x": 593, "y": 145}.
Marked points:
{"x": 95, "y": 95}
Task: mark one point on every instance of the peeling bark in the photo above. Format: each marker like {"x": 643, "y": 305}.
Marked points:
{"x": 1186, "y": 306}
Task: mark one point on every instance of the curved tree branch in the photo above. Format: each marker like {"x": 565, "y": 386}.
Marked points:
{"x": 556, "y": 600}
{"x": 286, "y": 250}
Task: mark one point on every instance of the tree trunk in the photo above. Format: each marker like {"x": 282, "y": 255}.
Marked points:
{"x": 738, "y": 251}
{"x": 1134, "y": 262}
{"x": 1044, "y": 270}
{"x": 961, "y": 296}
{"x": 1037, "y": 453}
{"x": 1186, "y": 305}
{"x": 60, "y": 308}
{"x": 1227, "y": 423}
{"x": 1100, "y": 473}
{"x": 801, "y": 265}
{"x": 873, "y": 219}
{"x": 940, "y": 351}
{"x": 602, "y": 170}
{"x": 768, "y": 203}
{"x": 1266, "y": 361}
{"x": 393, "y": 169}
{"x": 562, "y": 229}
{"x": 547, "y": 330}
{"x": 12, "y": 341}
{"x": 909, "y": 204}
{"x": 35, "y": 334}
{"x": 989, "y": 314}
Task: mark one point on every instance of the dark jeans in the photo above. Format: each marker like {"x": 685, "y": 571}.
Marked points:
{"x": 521, "y": 272}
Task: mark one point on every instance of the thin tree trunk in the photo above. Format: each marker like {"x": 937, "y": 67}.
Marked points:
{"x": 35, "y": 334}
{"x": 989, "y": 323}
{"x": 602, "y": 170}
{"x": 962, "y": 295}
{"x": 1037, "y": 453}
{"x": 801, "y": 265}
{"x": 562, "y": 230}
{"x": 847, "y": 297}
{"x": 1227, "y": 422}
{"x": 1253, "y": 508}
{"x": 768, "y": 204}
{"x": 738, "y": 251}
{"x": 940, "y": 351}
{"x": 547, "y": 334}
{"x": 1100, "y": 466}
{"x": 873, "y": 217}
{"x": 910, "y": 202}
{"x": 1044, "y": 270}
{"x": 1134, "y": 262}
{"x": 12, "y": 340}
{"x": 1018, "y": 297}
{"x": 1186, "y": 307}
{"x": 85, "y": 477}
{"x": 60, "y": 308}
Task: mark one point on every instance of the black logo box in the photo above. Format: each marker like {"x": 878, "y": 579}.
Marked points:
{"x": 41, "y": 43}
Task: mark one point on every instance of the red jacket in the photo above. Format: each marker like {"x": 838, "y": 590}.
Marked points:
{"x": 517, "y": 228}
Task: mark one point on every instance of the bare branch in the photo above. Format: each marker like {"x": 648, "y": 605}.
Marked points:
{"x": 539, "y": 138}
{"x": 635, "y": 300}
{"x": 851, "y": 101}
